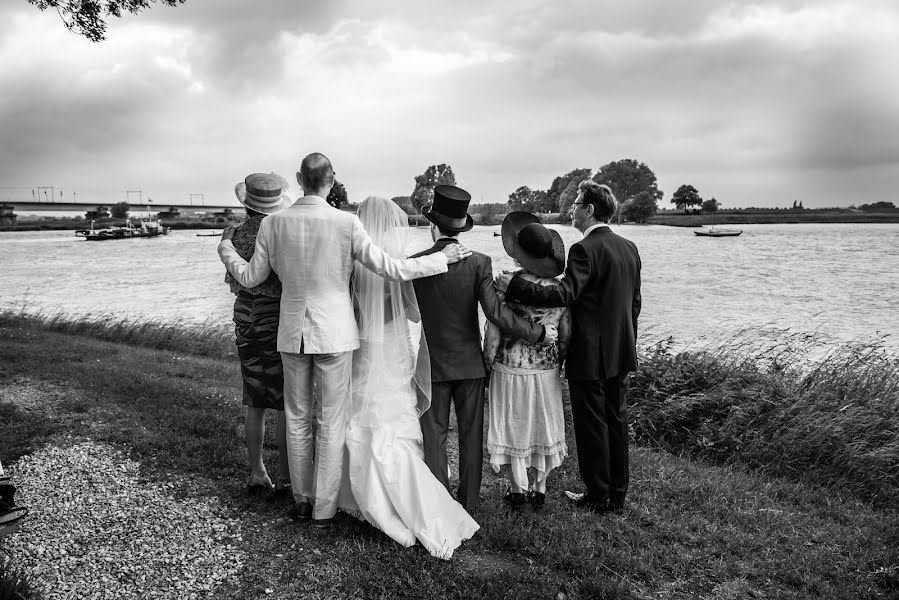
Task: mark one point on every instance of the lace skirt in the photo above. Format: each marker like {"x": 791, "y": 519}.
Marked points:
{"x": 527, "y": 421}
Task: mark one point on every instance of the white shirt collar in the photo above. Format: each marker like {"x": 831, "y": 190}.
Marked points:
{"x": 592, "y": 227}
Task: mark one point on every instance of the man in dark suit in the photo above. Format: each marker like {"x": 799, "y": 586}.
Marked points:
{"x": 601, "y": 286}
{"x": 449, "y": 313}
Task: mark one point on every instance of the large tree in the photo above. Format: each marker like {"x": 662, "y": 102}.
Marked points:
{"x": 627, "y": 178}
{"x": 119, "y": 210}
{"x": 639, "y": 208}
{"x": 710, "y": 205}
{"x": 337, "y": 196}
{"x": 88, "y": 17}
{"x": 568, "y": 196}
{"x": 405, "y": 202}
{"x": 524, "y": 198}
{"x": 561, "y": 183}
{"x": 686, "y": 195}
{"x": 423, "y": 194}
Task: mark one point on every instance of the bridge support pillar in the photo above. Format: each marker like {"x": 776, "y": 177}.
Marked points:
{"x": 7, "y": 216}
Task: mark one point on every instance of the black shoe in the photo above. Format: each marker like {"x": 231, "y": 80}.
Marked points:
{"x": 537, "y": 500}
{"x": 588, "y": 502}
{"x": 323, "y": 523}
{"x": 515, "y": 500}
{"x": 300, "y": 512}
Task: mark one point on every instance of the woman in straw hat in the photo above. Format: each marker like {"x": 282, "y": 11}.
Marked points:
{"x": 256, "y": 329}
{"x": 527, "y": 423}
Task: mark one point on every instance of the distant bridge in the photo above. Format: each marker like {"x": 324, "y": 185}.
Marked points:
{"x": 132, "y": 206}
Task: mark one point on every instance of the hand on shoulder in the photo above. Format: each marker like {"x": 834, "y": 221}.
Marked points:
{"x": 455, "y": 253}
{"x": 502, "y": 281}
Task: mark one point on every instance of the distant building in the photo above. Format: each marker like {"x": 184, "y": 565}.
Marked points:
{"x": 7, "y": 216}
{"x": 171, "y": 213}
{"x": 227, "y": 215}
{"x": 101, "y": 213}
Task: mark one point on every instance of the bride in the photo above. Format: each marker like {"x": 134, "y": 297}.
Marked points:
{"x": 391, "y": 485}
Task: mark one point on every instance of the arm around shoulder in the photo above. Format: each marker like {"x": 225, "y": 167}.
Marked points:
{"x": 248, "y": 274}
{"x": 395, "y": 269}
{"x": 578, "y": 272}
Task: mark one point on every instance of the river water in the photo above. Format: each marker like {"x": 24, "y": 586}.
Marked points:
{"x": 840, "y": 281}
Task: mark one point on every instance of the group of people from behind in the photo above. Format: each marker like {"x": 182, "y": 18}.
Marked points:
{"x": 328, "y": 300}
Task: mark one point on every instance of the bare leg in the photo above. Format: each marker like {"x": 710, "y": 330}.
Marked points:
{"x": 254, "y": 427}
{"x": 283, "y": 464}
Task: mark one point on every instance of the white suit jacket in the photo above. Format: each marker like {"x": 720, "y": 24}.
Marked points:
{"x": 312, "y": 247}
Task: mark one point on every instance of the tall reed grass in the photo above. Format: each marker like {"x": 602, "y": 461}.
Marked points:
{"x": 209, "y": 338}
{"x": 783, "y": 407}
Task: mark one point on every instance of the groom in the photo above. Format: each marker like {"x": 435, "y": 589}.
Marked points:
{"x": 449, "y": 314}
{"x": 312, "y": 247}
{"x": 602, "y": 287}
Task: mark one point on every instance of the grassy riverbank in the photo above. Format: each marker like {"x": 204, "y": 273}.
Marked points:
{"x": 757, "y": 216}
{"x": 722, "y": 524}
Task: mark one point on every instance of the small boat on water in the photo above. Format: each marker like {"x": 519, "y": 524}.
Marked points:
{"x": 712, "y": 232}
{"x": 213, "y": 234}
{"x": 147, "y": 227}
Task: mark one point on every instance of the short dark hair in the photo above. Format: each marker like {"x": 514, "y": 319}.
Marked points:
{"x": 446, "y": 232}
{"x": 254, "y": 213}
{"x": 601, "y": 197}
{"x": 316, "y": 172}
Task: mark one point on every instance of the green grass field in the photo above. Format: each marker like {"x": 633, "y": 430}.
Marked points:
{"x": 754, "y": 480}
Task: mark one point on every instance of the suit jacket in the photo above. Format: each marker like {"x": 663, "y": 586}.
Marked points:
{"x": 601, "y": 286}
{"x": 312, "y": 247}
{"x": 449, "y": 314}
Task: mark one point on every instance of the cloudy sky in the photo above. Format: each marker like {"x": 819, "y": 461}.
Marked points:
{"x": 756, "y": 104}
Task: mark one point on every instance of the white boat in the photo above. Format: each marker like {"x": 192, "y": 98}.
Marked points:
{"x": 712, "y": 232}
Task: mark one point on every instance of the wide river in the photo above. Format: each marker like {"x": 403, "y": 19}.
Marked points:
{"x": 840, "y": 281}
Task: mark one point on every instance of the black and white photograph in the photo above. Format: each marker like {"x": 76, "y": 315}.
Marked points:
{"x": 564, "y": 300}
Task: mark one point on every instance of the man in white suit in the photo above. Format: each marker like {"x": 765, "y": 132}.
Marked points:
{"x": 312, "y": 247}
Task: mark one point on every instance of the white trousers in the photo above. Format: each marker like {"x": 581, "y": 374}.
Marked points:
{"x": 316, "y": 462}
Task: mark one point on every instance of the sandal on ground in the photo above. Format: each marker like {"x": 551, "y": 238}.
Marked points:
{"x": 258, "y": 489}
{"x": 282, "y": 490}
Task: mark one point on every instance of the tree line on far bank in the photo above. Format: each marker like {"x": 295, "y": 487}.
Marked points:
{"x": 633, "y": 183}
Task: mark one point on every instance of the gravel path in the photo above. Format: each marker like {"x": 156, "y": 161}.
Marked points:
{"x": 95, "y": 530}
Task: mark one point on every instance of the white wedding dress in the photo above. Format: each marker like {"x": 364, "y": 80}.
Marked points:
{"x": 391, "y": 486}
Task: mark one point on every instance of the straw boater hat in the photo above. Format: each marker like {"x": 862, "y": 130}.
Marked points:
{"x": 538, "y": 249}
{"x": 450, "y": 209}
{"x": 263, "y": 192}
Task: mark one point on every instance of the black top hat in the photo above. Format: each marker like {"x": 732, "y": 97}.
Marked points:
{"x": 538, "y": 249}
{"x": 449, "y": 209}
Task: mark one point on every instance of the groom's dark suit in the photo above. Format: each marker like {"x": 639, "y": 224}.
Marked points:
{"x": 602, "y": 287}
{"x": 449, "y": 314}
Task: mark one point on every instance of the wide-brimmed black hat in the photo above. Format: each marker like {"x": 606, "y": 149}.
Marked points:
{"x": 449, "y": 209}
{"x": 538, "y": 249}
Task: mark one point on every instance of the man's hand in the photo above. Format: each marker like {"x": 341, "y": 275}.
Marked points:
{"x": 502, "y": 281}
{"x": 455, "y": 253}
{"x": 228, "y": 232}
{"x": 552, "y": 334}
